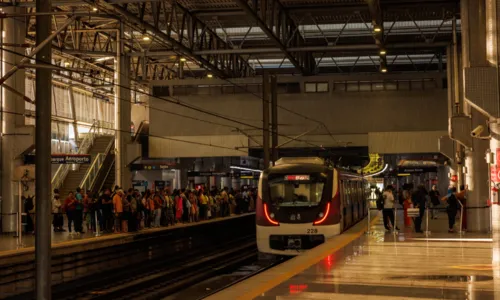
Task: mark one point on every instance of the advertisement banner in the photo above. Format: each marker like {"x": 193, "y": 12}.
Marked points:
{"x": 62, "y": 159}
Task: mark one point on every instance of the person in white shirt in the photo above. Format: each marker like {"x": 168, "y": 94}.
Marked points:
{"x": 387, "y": 212}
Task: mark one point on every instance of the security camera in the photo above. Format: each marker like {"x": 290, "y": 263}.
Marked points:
{"x": 477, "y": 131}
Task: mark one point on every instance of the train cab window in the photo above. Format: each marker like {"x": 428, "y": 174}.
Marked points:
{"x": 296, "y": 190}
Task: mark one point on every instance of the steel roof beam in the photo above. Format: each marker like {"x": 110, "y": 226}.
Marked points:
{"x": 268, "y": 50}
{"x": 272, "y": 17}
{"x": 181, "y": 29}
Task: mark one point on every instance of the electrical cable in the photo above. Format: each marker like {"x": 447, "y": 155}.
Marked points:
{"x": 170, "y": 100}
{"x": 149, "y": 135}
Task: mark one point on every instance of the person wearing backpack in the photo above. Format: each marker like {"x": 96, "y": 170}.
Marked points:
{"x": 434, "y": 195}
{"x": 380, "y": 199}
{"x": 452, "y": 208}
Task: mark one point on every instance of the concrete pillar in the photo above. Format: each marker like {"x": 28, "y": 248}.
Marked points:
{"x": 15, "y": 31}
{"x": 473, "y": 21}
{"x": 122, "y": 115}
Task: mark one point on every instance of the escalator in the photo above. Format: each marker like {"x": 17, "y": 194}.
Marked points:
{"x": 105, "y": 176}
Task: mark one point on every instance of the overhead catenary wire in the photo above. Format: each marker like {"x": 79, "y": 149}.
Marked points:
{"x": 149, "y": 135}
{"x": 173, "y": 100}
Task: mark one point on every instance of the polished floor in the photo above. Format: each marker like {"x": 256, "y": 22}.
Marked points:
{"x": 403, "y": 265}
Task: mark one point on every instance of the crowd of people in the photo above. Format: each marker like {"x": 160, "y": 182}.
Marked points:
{"x": 417, "y": 200}
{"x": 120, "y": 210}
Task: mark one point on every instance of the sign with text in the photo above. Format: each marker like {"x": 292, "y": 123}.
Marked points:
{"x": 417, "y": 170}
{"x": 62, "y": 159}
{"x": 201, "y": 174}
{"x": 151, "y": 167}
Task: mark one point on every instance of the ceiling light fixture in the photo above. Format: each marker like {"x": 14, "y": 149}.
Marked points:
{"x": 105, "y": 58}
{"x": 183, "y": 59}
{"x": 383, "y": 52}
{"x": 383, "y": 70}
{"x": 146, "y": 38}
{"x": 210, "y": 75}
{"x": 377, "y": 28}
{"x": 94, "y": 8}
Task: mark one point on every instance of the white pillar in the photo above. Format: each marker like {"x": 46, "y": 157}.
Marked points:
{"x": 15, "y": 30}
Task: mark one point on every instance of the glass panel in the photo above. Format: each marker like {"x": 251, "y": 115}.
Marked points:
{"x": 310, "y": 87}
{"x": 365, "y": 87}
{"x": 403, "y": 85}
{"x": 296, "y": 190}
{"x": 322, "y": 87}
{"x": 352, "y": 86}
{"x": 339, "y": 86}
{"x": 377, "y": 86}
{"x": 391, "y": 86}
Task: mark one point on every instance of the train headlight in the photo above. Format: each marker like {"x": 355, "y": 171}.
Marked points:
{"x": 272, "y": 215}
{"x": 321, "y": 215}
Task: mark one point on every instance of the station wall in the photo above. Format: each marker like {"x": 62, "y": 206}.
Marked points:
{"x": 351, "y": 115}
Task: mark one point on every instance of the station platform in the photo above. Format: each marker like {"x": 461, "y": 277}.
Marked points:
{"x": 384, "y": 265}
{"x": 9, "y": 243}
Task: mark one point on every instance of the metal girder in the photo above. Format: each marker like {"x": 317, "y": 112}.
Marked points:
{"x": 276, "y": 23}
{"x": 185, "y": 33}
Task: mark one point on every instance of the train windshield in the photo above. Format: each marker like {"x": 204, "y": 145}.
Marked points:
{"x": 296, "y": 189}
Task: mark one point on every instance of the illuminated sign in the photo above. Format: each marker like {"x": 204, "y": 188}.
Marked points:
{"x": 70, "y": 159}
{"x": 297, "y": 177}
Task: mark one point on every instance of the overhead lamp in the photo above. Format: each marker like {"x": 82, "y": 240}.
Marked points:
{"x": 383, "y": 52}
{"x": 183, "y": 59}
{"x": 210, "y": 75}
{"x": 377, "y": 28}
{"x": 146, "y": 38}
{"x": 66, "y": 64}
{"x": 104, "y": 58}
{"x": 94, "y": 8}
{"x": 383, "y": 70}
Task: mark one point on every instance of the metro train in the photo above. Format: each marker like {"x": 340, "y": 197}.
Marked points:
{"x": 302, "y": 202}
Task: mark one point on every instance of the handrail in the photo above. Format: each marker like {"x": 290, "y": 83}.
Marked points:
{"x": 85, "y": 145}
{"x": 138, "y": 133}
{"x": 92, "y": 172}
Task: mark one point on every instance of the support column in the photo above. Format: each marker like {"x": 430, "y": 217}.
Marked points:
{"x": 274, "y": 117}
{"x": 123, "y": 116}
{"x": 265, "y": 118}
{"x": 11, "y": 102}
{"x": 43, "y": 128}
{"x": 473, "y": 20}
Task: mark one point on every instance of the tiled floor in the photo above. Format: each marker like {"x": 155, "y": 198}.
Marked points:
{"x": 402, "y": 266}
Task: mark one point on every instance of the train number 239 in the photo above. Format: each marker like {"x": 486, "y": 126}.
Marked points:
{"x": 311, "y": 231}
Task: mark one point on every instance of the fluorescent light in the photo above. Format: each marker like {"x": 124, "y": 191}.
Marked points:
{"x": 404, "y": 174}
{"x": 210, "y": 75}
{"x": 183, "y": 59}
{"x": 105, "y": 58}
{"x": 383, "y": 70}
{"x": 383, "y": 52}
{"x": 380, "y": 172}
{"x": 66, "y": 64}
{"x": 146, "y": 38}
{"x": 377, "y": 28}
{"x": 245, "y": 169}
{"x": 94, "y": 8}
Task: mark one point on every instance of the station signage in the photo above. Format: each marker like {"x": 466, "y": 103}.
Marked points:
{"x": 207, "y": 174}
{"x": 417, "y": 170}
{"x": 62, "y": 159}
{"x": 152, "y": 167}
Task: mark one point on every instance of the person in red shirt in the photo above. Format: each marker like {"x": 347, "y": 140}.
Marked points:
{"x": 70, "y": 208}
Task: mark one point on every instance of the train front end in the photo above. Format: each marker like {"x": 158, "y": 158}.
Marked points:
{"x": 297, "y": 208}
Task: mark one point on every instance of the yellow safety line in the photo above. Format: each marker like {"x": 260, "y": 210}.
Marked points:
{"x": 266, "y": 286}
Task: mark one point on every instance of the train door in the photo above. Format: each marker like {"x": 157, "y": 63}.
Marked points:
{"x": 348, "y": 204}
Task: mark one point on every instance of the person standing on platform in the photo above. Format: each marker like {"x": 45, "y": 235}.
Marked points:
{"x": 132, "y": 221}
{"x": 224, "y": 202}
{"x": 202, "y": 199}
{"x": 78, "y": 218}
{"x": 118, "y": 207}
{"x": 435, "y": 196}
{"x": 419, "y": 199}
{"x": 58, "y": 220}
{"x": 70, "y": 207}
{"x": 158, "y": 203}
{"x": 406, "y": 205}
{"x": 186, "y": 206}
{"x": 451, "y": 208}
{"x": 106, "y": 203}
{"x": 87, "y": 202}
{"x": 178, "y": 206}
{"x": 388, "y": 211}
